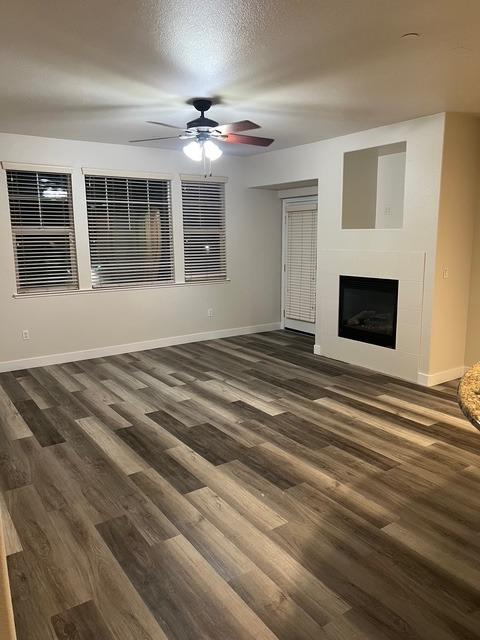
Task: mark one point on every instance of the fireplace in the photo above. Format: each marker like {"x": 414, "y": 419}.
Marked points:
{"x": 368, "y": 310}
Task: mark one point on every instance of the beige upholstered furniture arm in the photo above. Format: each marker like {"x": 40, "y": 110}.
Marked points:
{"x": 7, "y": 627}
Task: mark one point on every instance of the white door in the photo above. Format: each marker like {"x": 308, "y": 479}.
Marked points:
{"x": 300, "y": 265}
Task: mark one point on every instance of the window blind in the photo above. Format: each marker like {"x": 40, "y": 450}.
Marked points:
{"x": 130, "y": 231}
{"x": 204, "y": 230}
{"x": 301, "y": 265}
{"x": 41, "y": 216}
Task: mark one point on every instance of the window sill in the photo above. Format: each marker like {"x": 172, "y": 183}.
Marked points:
{"x": 43, "y": 294}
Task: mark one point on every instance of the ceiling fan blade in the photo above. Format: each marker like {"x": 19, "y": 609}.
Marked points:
{"x": 163, "y": 124}
{"x": 234, "y": 127}
{"x": 233, "y": 138}
{"x": 151, "y": 139}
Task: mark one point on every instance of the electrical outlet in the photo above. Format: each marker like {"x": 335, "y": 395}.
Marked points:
{"x": 210, "y": 313}
{"x": 26, "y": 334}
{"x": 445, "y": 273}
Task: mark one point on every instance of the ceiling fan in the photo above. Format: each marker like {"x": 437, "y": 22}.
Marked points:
{"x": 203, "y": 133}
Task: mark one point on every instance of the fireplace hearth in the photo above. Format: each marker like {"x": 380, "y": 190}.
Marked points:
{"x": 368, "y": 310}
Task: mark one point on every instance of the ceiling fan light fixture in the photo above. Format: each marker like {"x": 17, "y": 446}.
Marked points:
{"x": 212, "y": 151}
{"x": 193, "y": 150}
{"x": 202, "y": 132}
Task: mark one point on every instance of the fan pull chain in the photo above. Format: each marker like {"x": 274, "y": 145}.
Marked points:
{"x": 206, "y": 174}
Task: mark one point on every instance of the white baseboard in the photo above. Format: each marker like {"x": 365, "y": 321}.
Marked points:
{"x": 423, "y": 379}
{"x": 432, "y": 379}
{"x": 72, "y": 356}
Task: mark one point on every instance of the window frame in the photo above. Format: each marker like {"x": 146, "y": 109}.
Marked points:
{"x": 67, "y": 232}
{"x": 132, "y": 175}
{"x": 79, "y": 239}
{"x": 198, "y": 230}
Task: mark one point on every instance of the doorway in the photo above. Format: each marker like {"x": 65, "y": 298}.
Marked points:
{"x": 299, "y": 264}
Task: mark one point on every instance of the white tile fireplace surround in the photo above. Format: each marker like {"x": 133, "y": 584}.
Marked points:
{"x": 406, "y": 267}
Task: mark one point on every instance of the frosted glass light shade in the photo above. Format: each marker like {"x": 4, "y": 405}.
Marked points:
{"x": 212, "y": 151}
{"x": 193, "y": 150}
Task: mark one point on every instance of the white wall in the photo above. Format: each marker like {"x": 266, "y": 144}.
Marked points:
{"x": 390, "y": 190}
{"x": 359, "y": 192}
{"x": 451, "y": 348}
{"x": 324, "y": 161}
{"x": 86, "y": 320}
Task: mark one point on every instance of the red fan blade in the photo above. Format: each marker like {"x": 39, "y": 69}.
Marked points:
{"x": 236, "y": 139}
{"x": 151, "y": 139}
{"x": 234, "y": 127}
{"x": 163, "y": 124}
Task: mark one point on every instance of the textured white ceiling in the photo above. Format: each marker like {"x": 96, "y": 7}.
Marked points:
{"x": 303, "y": 69}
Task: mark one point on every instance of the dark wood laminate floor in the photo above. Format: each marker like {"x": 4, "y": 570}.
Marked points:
{"x": 237, "y": 489}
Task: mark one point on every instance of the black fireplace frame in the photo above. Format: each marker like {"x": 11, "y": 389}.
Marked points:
{"x": 362, "y": 283}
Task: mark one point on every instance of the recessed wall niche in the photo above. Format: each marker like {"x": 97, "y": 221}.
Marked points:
{"x": 374, "y": 187}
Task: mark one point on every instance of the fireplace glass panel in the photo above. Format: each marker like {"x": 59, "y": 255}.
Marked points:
{"x": 368, "y": 310}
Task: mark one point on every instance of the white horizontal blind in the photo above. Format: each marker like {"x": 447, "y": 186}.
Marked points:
{"x": 43, "y": 233}
{"x": 204, "y": 230}
{"x": 301, "y": 265}
{"x": 130, "y": 231}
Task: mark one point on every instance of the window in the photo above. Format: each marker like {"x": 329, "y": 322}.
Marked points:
{"x": 204, "y": 230}
{"x": 130, "y": 231}
{"x": 42, "y": 227}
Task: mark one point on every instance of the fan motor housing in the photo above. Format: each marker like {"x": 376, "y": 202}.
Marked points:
{"x": 202, "y": 105}
{"x": 202, "y": 122}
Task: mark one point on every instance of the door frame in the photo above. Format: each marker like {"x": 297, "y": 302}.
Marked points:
{"x": 312, "y": 199}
